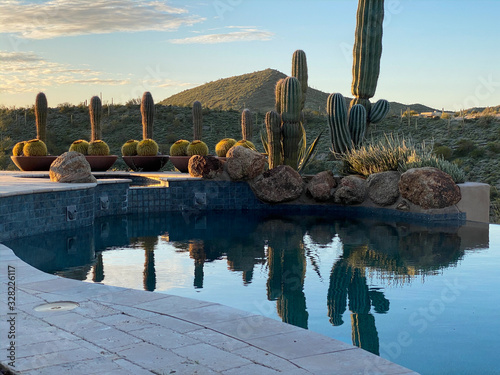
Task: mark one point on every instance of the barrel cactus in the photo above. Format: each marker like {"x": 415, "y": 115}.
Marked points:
{"x": 299, "y": 71}
{"x": 98, "y": 148}
{"x": 246, "y": 144}
{"x": 129, "y": 148}
{"x": 179, "y": 148}
{"x": 147, "y": 147}
{"x": 197, "y": 147}
{"x": 95, "y": 110}
{"x": 197, "y": 120}
{"x": 41, "y": 109}
{"x": 273, "y": 129}
{"x": 35, "y": 147}
{"x": 81, "y": 146}
{"x": 246, "y": 124}
{"x": 148, "y": 114}
{"x": 223, "y": 146}
{"x": 17, "y": 150}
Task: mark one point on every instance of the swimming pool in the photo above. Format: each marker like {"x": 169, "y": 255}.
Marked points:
{"x": 422, "y": 296}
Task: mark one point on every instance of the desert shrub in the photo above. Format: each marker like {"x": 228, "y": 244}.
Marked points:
{"x": 381, "y": 156}
{"x": 493, "y": 147}
{"x": 456, "y": 173}
{"x": 445, "y": 116}
{"x": 443, "y": 151}
{"x": 477, "y": 153}
{"x": 485, "y": 120}
{"x": 464, "y": 147}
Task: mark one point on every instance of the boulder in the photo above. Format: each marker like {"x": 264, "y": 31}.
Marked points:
{"x": 383, "y": 187}
{"x": 205, "y": 166}
{"x": 351, "y": 190}
{"x": 243, "y": 163}
{"x": 280, "y": 184}
{"x": 321, "y": 187}
{"x": 71, "y": 167}
{"x": 429, "y": 188}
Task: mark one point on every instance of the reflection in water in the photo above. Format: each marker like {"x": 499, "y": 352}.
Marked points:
{"x": 393, "y": 252}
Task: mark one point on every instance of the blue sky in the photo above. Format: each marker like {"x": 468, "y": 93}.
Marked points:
{"x": 442, "y": 53}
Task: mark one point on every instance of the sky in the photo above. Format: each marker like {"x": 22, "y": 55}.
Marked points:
{"x": 441, "y": 53}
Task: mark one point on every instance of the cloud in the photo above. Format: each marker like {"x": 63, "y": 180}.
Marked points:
{"x": 28, "y": 72}
{"x": 246, "y": 35}
{"x": 56, "y": 18}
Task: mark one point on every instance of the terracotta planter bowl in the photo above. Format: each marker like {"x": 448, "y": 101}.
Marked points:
{"x": 146, "y": 163}
{"x": 180, "y": 162}
{"x": 101, "y": 163}
{"x": 33, "y": 163}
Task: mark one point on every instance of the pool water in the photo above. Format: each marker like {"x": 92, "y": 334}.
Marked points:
{"x": 425, "y": 297}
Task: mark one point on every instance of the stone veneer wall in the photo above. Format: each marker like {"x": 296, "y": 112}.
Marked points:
{"x": 28, "y": 214}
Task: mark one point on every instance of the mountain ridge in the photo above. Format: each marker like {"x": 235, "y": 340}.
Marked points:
{"x": 255, "y": 91}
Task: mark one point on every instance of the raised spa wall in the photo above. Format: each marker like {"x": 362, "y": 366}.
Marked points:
{"x": 35, "y": 211}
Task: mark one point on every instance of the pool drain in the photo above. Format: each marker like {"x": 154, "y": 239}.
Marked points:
{"x": 57, "y": 306}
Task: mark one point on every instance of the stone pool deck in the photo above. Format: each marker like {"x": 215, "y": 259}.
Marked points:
{"x": 124, "y": 331}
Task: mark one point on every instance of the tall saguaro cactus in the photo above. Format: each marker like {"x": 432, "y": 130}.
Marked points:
{"x": 291, "y": 128}
{"x": 367, "y": 51}
{"x": 299, "y": 71}
{"x": 148, "y": 114}
{"x": 95, "y": 110}
{"x": 246, "y": 124}
{"x": 197, "y": 120}
{"x": 41, "y": 109}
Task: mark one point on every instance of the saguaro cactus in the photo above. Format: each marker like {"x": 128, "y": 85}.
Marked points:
{"x": 277, "y": 94}
{"x": 291, "y": 128}
{"x": 41, "y": 109}
{"x": 299, "y": 71}
{"x": 95, "y": 110}
{"x": 273, "y": 127}
{"x": 367, "y": 51}
{"x": 147, "y": 113}
{"x": 197, "y": 120}
{"x": 246, "y": 124}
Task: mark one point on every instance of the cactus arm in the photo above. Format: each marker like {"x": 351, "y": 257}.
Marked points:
{"x": 379, "y": 110}
{"x": 299, "y": 71}
{"x": 246, "y": 124}
{"x": 357, "y": 124}
{"x": 336, "y": 109}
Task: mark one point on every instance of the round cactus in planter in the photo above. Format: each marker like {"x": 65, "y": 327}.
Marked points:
{"x": 98, "y": 148}
{"x": 17, "y": 150}
{"x": 179, "y": 148}
{"x": 35, "y": 147}
{"x": 81, "y": 146}
{"x": 246, "y": 144}
{"x": 147, "y": 147}
{"x": 223, "y": 146}
{"x": 197, "y": 148}
{"x": 129, "y": 148}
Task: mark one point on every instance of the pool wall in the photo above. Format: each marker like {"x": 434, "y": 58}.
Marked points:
{"x": 66, "y": 206}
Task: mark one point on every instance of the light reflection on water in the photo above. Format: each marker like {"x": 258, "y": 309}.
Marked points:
{"x": 411, "y": 293}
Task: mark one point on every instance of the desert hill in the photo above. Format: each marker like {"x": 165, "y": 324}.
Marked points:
{"x": 255, "y": 91}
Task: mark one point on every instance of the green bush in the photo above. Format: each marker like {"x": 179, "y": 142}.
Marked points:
{"x": 478, "y": 152}
{"x": 464, "y": 147}
{"x": 493, "y": 147}
{"x": 456, "y": 173}
{"x": 444, "y": 152}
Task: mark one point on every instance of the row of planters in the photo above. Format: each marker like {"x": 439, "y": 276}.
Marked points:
{"x": 141, "y": 155}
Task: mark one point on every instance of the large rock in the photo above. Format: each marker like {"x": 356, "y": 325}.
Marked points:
{"x": 383, "y": 187}
{"x": 205, "y": 166}
{"x": 243, "y": 163}
{"x": 351, "y": 190}
{"x": 71, "y": 167}
{"x": 321, "y": 187}
{"x": 280, "y": 184}
{"x": 429, "y": 188}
